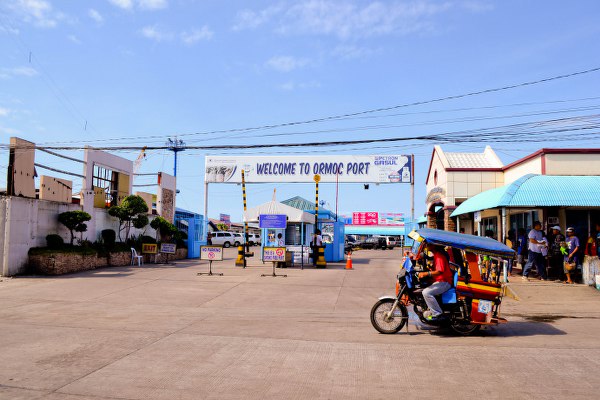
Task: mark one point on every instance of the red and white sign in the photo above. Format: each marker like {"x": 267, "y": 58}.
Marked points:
{"x": 211, "y": 253}
{"x": 365, "y": 218}
{"x": 377, "y": 218}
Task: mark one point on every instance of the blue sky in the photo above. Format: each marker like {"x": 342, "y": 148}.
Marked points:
{"x": 134, "y": 72}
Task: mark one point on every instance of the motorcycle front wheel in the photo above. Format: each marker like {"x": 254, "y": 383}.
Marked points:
{"x": 381, "y": 319}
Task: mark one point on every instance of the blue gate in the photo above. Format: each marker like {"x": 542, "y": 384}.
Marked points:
{"x": 194, "y": 227}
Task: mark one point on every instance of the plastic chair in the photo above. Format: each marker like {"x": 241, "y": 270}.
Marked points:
{"x": 134, "y": 257}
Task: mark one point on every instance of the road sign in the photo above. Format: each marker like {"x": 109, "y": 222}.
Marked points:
{"x": 272, "y": 221}
{"x": 168, "y": 248}
{"x": 274, "y": 254}
{"x": 149, "y": 248}
{"x": 211, "y": 253}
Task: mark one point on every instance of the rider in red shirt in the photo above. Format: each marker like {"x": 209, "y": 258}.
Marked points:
{"x": 442, "y": 275}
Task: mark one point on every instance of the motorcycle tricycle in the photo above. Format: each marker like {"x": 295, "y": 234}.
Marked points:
{"x": 473, "y": 300}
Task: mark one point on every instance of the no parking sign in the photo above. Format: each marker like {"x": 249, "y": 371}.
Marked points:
{"x": 211, "y": 253}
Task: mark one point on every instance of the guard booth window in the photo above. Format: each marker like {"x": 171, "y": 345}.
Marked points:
{"x": 489, "y": 225}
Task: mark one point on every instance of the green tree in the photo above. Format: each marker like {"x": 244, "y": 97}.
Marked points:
{"x": 222, "y": 227}
{"x": 74, "y": 221}
{"x": 133, "y": 211}
{"x": 164, "y": 229}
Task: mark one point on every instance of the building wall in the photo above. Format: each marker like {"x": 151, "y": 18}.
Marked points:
{"x": 572, "y": 164}
{"x": 442, "y": 177}
{"x": 25, "y": 223}
{"x": 165, "y": 201}
{"x": 55, "y": 189}
{"x": 533, "y": 166}
{"x": 22, "y": 158}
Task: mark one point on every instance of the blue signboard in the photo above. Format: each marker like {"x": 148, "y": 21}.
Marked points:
{"x": 273, "y": 221}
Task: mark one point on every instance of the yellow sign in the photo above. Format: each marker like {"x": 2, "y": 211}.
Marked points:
{"x": 317, "y": 178}
{"x": 149, "y": 248}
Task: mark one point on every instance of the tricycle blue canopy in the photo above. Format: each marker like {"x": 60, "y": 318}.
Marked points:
{"x": 470, "y": 243}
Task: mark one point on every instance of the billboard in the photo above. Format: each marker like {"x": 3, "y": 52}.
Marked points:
{"x": 302, "y": 169}
{"x": 377, "y": 218}
{"x": 225, "y": 219}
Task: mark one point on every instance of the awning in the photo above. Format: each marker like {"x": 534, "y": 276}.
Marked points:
{"x": 537, "y": 191}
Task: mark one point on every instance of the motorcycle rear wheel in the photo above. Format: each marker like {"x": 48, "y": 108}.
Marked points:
{"x": 463, "y": 329}
{"x": 392, "y": 325}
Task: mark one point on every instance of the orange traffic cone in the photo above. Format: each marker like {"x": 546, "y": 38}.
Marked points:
{"x": 349, "y": 261}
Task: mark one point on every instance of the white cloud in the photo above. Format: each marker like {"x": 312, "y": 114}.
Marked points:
{"x": 351, "y": 52}
{"x": 7, "y": 73}
{"x": 291, "y": 85}
{"x": 96, "y": 16}
{"x": 141, "y": 4}
{"x": 248, "y": 19}
{"x": 74, "y": 39}
{"x": 152, "y": 4}
{"x": 4, "y": 112}
{"x": 37, "y": 12}
{"x": 154, "y": 33}
{"x": 351, "y": 19}
{"x": 195, "y": 35}
{"x": 124, "y": 4}
{"x": 286, "y": 63}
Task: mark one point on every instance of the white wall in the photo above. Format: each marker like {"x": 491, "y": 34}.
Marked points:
{"x": 533, "y": 166}
{"x": 25, "y": 223}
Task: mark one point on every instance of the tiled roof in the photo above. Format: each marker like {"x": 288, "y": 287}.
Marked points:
{"x": 472, "y": 160}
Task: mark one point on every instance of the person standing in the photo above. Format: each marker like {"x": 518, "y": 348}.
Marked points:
{"x": 535, "y": 252}
{"x": 316, "y": 243}
{"x": 521, "y": 248}
{"x": 571, "y": 256}
{"x": 556, "y": 257}
{"x": 593, "y": 242}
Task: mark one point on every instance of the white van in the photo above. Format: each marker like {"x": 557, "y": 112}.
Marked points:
{"x": 225, "y": 239}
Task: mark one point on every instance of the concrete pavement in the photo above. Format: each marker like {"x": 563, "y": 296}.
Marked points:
{"x": 162, "y": 332}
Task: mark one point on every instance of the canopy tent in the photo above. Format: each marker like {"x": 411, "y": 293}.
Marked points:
{"x": 537, "y": 191}
{"x": 275, "y": 207}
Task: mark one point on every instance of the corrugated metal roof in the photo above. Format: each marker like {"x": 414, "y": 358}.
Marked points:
{"x": 300, "y": 203}
{"x": 471, "y": 160}
{"x": 538, "y": 191}
{"x": 305, "y": 205}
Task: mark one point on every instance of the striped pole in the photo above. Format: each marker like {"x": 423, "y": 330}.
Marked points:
{"x": 316, "y": 204}
{"x": 246, "y": 221}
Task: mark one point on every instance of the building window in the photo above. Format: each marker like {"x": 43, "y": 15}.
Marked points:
{"x": 435, "y": 180}
{"x": 489, "y": 227}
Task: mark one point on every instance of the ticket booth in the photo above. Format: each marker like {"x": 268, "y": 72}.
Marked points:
{"x": 295, "y": 236}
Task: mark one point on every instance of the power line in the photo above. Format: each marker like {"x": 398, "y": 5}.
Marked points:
{"x": 371, "y": 111}
{"x": 493, "y": 134}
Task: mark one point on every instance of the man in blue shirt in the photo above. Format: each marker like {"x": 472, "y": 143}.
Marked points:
{"x": 535, "y": 252}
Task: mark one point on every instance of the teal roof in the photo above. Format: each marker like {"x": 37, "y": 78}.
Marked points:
{"x": 537, "y": 191}
{"x": 422, "y": 220}
{"x": 309, "y": 206}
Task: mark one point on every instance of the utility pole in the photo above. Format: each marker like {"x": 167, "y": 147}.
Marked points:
{"x": 175, "y": 145}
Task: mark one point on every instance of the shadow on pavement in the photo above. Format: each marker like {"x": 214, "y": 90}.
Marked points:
{"x": 523, "y": 328}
